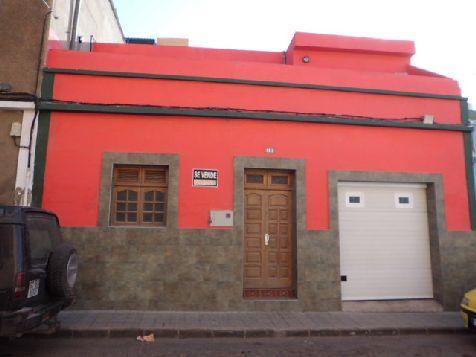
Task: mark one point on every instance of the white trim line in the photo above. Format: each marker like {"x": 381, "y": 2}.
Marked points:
{"x": 14, "y": 105}
{"x": 24, "y": 178}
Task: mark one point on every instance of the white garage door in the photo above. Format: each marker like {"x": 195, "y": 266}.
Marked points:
{"x": 384, "y": 241}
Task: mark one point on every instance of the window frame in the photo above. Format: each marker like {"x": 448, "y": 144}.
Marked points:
{"x": 408, "y": 195}
{"x": 267, "y": 182}
{"x": 359, "y": 204}
{"x": 141, "y": 186}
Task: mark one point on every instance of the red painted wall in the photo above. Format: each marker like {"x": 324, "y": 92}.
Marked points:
{"x": 77, "y": 142}
{"x": 193, "y": 53}
{"x": 354, "y": 44}
{"x": 371, "y": 62}
{"x": 252, "y": 70}
{"x": 91, "y": 89}
{"x": 356, "y": 53}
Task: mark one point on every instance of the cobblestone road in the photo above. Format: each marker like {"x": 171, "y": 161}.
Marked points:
{"x": 413, "y": 345}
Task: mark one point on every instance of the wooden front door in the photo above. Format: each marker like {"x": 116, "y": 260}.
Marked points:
{"x": 269, "y": 245}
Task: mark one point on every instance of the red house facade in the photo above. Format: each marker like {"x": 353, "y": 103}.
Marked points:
{"x": 205, "y": 179}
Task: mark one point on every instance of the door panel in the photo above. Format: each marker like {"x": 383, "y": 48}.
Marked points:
{"x": 269, "y": 264}
{"x": 280, "y": 241}
{"x": 253, "y": 272}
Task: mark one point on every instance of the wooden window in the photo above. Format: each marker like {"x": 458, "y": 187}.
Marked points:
{"x": 279, "y": 180}
{"x": 269, "y": 179}
{"x": 254, "y": 178}
{"x": 139, "y": 195}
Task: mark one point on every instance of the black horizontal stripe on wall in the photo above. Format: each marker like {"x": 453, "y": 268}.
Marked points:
{"x": 240, "y": 114}
{"x": 251, "y": 82}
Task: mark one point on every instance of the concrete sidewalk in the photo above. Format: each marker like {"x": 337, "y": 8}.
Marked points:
{"x": 108, "y": 323}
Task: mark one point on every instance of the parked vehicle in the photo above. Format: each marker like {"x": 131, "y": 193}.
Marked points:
{"x": 468, "y": 309}
{"x": 38, "y": 269}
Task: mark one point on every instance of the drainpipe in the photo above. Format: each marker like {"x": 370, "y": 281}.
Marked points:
{"x": 26, "y": 152}
{"x": 75, "y": 25}
{"x": 70, "y": 22}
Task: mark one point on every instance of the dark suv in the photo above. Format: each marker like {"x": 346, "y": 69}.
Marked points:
{"x": 37, "y": 269}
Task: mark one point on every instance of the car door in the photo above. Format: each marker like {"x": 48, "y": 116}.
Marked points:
{"x": 43, "y": 235}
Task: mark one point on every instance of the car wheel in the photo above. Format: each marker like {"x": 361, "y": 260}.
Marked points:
{"x": 62, "y": 271}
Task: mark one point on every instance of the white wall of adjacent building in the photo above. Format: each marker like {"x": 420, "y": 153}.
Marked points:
{"x": 96, "y": 17}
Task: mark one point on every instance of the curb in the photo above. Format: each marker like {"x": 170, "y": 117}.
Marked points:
{"x": 243, "y": 333}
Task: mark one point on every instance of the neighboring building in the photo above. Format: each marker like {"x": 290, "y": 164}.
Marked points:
{"x": 205, "y": 179}
{"x": 472, "y": 120}
{"x": 97, "y": 20}
{"x": 27, "y": 28}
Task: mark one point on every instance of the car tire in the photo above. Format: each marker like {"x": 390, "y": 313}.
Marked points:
{"x": 62, "y": 271}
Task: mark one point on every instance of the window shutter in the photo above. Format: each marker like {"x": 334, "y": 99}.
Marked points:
{"x": 155, "y": 177}
{"x": 127, "y": 175}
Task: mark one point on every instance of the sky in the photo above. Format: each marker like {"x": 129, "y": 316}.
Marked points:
{"x": 444, "y": 31}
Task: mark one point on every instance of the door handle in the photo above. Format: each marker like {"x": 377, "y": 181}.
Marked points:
{"x": 266, "y": 239}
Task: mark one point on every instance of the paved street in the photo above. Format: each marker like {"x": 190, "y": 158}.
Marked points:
{"x": 460, "y": 345}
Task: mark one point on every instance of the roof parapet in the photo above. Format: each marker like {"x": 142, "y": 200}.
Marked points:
{"x": 354, "y": 44}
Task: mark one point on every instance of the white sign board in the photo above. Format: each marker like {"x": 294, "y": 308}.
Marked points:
{"x": 205, "y": 178}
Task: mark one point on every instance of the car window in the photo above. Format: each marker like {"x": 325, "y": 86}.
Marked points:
{"x": 10, "y": 252}
{"x": 43, "y": 236}
{"x": 7, "y": 234}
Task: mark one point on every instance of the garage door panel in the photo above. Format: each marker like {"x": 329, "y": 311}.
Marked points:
{"x": 391, "y": 242}
{"x": 387, "y": 284}
{"x": 385, "y": 251}
{"x": 397, "y": 238}
{"x": 375, "y": 198}
{"x": 386, "y": 260}
{"x": 392, "y": 218}
{"x": 389, "y": 208}
{"x": 376, "y": 236}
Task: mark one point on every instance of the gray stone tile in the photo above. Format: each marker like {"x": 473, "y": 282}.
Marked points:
{"x": 234, "y": 323}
